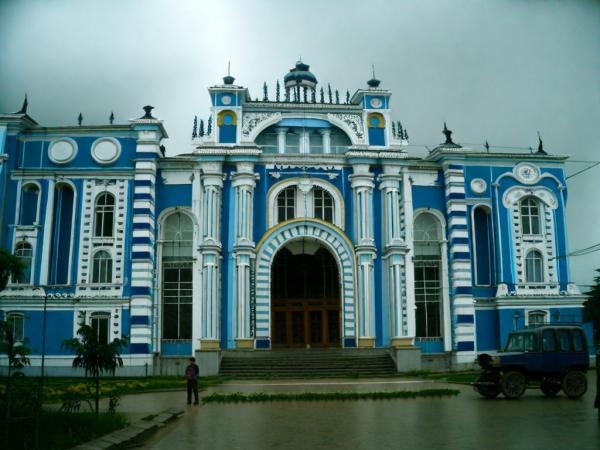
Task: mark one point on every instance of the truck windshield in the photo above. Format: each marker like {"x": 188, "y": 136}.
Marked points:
{"x": 521, "y": 342}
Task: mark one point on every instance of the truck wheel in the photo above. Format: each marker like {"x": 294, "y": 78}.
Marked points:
{"x": 550, "y": 386}
{"x": 574, "y": 383}
{"x": 487, "y": 385}
{"x": 513, "y": 384}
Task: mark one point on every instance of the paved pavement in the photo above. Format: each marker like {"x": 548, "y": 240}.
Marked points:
{"x": 466, "y": 421}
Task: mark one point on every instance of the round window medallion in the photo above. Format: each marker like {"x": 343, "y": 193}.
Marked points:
{"x": 105, "y": 151}
{"x": 375, "y": 102}
{"x": 226, "y": 99}
{"x": 527, "y": 173}
{"x": 478, "y": 185}
{"x": 227, "y": 119}
{"x": 62, "y": 151}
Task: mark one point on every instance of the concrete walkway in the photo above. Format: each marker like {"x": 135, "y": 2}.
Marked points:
{"x": 466, "y": 421}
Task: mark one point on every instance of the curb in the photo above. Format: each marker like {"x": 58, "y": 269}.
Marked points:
{"x": 119, "y": 438}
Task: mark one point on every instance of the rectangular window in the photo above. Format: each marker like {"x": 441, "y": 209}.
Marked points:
{"x": 564, "y": 340}
{"x": 428, "y": 298}
{"x": 177, "y": 300}
{"x": 286, "y": 204}
{"x": 16, "y": 324}
{"x": 100, "y": 323}
{"x": 549, "y": 341}
{"x": 578, "y": 341}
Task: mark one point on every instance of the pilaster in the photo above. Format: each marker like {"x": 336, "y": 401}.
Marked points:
{"x": 210, "y": 249}
{"x": 462, "y": 304}
{"x": 243, "y": 181}
{"x": 362, "y": 186}
{"x": 150, "y": 133}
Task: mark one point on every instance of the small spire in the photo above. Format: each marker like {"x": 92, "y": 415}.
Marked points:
{"x": 540, "y": 150}
{"x": 23, "y": 109}
{"x": 373, "y": 82}
{"x": 487, "y": 146}
{"x": 448, "y": 135}
{"x": 111, "y": 118}
{"x": 228, "y": 79}
{"x": 148, "y": 112}
{"x": 80, "y": 119}
{"x": 195, "y": 128}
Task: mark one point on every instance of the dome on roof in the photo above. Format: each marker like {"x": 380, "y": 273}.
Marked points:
{"x": 300, "y": 75}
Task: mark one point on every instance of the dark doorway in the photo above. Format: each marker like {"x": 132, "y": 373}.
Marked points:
{"x": 305, "y": 299}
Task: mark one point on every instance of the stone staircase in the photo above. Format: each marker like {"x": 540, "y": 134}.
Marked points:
{"x": 300, "y": 363}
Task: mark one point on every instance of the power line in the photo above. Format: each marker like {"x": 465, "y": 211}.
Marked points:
{"x": 583, "y": 170}
{"x": 581, "y": 252}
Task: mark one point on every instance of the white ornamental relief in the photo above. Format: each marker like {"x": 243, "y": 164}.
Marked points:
{"x": 478, "y": 185}
{"x": 251, "y": 120}
{"x": 527, "y": 173}
{"x": 353, "y": 121}
{"x": 514, "y": 195}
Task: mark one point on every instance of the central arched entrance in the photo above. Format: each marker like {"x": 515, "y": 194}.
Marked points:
{"x": 305, "y": 296}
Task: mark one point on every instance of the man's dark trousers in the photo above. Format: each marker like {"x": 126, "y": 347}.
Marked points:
{"x": 192, "y": 385}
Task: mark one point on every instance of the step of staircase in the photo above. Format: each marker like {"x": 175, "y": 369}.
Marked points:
{"x": 308, "y": 363}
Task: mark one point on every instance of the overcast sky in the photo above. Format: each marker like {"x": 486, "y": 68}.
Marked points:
{"x": 495, "y": 70}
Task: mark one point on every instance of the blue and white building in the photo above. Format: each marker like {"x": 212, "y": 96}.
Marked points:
{"x": 297, "y": 221}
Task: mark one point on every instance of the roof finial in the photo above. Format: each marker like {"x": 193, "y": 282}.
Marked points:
{"x": 448, "y": 135}
{"x": 148, "y": 112}
{"x": 111, "y": 118}
{"x": 373, "y": 82}
{"x": 23, "y": 109}
{"x": 540, "y": 150}
{"x": 80, "y": 119}
{"x": 228, "y": 79}
{"x": 487, "y": 146}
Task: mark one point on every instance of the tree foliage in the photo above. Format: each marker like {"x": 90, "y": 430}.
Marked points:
{"x": 10, "y": 266}
{"x": 94, "y": 356}
{"x": 591, "y": 308}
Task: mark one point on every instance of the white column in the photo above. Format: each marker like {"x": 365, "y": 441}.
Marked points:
{"x": 362, "y": 185}
{"x": 304, "y": 141}
{"x": 197, "y": 197}
{"x": 281, "y": 139}
{"x": 243, "y": 184}
{"x": 47, "y": 237}
{"x": 394, "y": 251}
{"x": 326, "y": 139}
{"x": 210, "y": 247}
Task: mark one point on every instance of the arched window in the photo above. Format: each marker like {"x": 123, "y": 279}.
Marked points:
{"x": 102, "y": 268}
{"x": 24, "y": 251}
{"x": 534, "y": 272}
{"x": 16, "y": 324}
{"x": 29, "y": 204}
{"x": 483, "y": 246}
{"x": 537, "y": 317}
{"x": 323, "y": 204}
{"x": 428, "y": 276}
{"x": 286, "y": 201}
{"x": 100, "y": 323}
{"x": 530, "y": 216}
{"x": 104, "y": 215}
{"x": 177, "y": 276}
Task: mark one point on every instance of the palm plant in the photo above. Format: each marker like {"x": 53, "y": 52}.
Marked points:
{"x": 10, "y": 266}
{"x": 94, "y": 356}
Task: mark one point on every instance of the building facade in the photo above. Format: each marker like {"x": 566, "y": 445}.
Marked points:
{"x": 300, "y": 221}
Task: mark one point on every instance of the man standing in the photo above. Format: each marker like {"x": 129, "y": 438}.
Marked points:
{"x": 191, "y": 375}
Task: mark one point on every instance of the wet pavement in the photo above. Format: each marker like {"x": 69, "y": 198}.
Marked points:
{"x": 466, "y": 421}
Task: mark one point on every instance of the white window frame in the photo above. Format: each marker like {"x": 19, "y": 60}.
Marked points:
{"x": 304, "y": 200}
{"x": 541, "y": 268}
{"x": 102, "y": 315}
{"x": 536, "y": 312}
{"x": 93, "y": 266}
{"x": 13, "y": 316}
{"x": 32, "y": 261}
{"x": 527, "y": 219}
{"x": 103, "y": 210}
